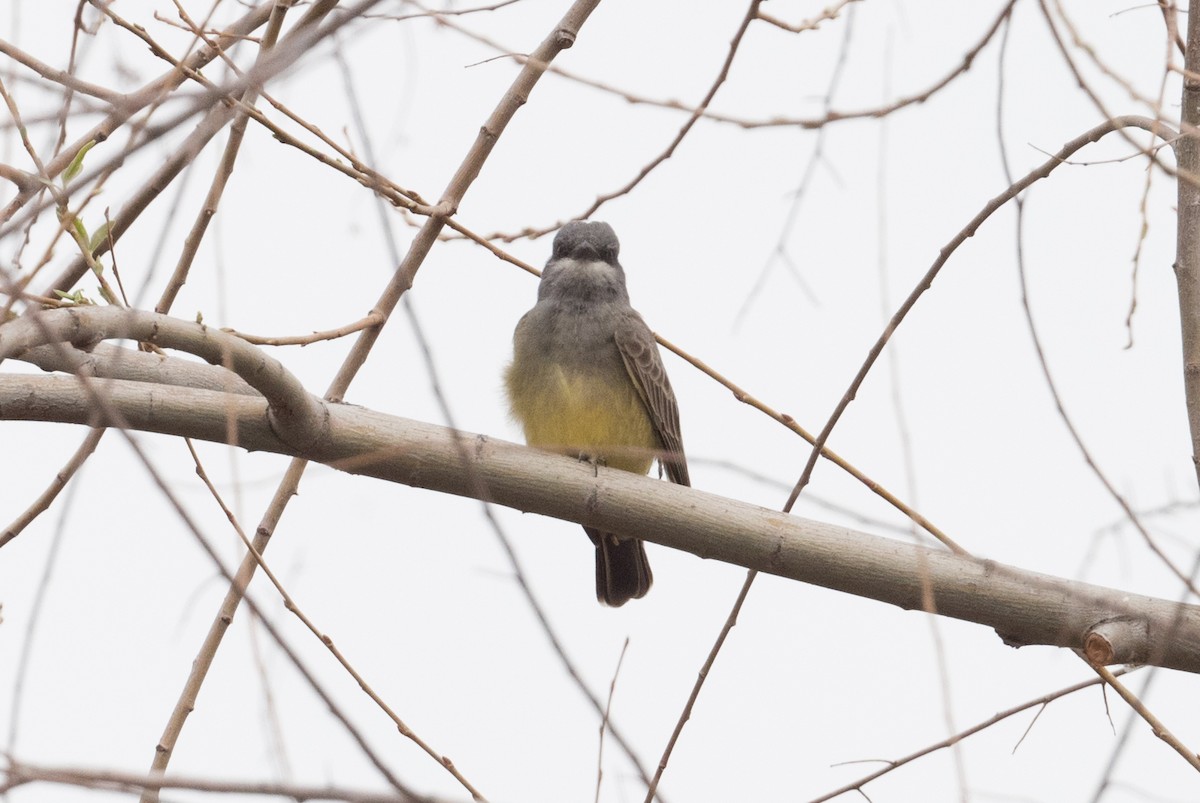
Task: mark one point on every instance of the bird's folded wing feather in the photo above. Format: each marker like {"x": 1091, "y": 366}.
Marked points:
{"x": 639, "y": 352}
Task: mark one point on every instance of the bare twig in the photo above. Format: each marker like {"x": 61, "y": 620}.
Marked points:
{"x": 102, "y": 405}
{"x": 374, "y": 319}
{"x": 290, "y": 604}
{"x": 1170, "y": 12}
{"x": 786, "y": 420}
{"x": 948, "y": 250}
{"x": 1160, "y": 730}
{"x": 42, "y": 176}
{"x": 612, "y": 690}
{"x": 237, "y": 132}
{"x": 730, "y": 621}
{"x": 666, "y": 154}
{"x": 20, "y": 774}
{"x": 1040, "y": 703}
{"x": 903, "y": 432}
{"x": 1151, "y": 154}
{"x": 722, "y": 74}
{"x": 561, "y": 37}
{"x": 60, "y": 77}
{"x": 812, "y": 23}
{"x": 47, "y": 497}
{"x": 426, "y": 350}
{"x": 798, "y": 195}
{"x": 1156, "y": 129}
{"x": 217, "y": 115}
{"x": 828, "y": 118}
{"x": 136, "y": 101}
{"x": 34, "y": 617}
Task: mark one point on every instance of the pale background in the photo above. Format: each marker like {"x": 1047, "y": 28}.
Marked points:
{"x": 413, "y": 586}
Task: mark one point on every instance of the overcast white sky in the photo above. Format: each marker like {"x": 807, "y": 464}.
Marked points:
{"x": 414, "y": 587}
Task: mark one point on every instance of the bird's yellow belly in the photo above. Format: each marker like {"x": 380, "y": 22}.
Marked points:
{"x": 579, "y": 414}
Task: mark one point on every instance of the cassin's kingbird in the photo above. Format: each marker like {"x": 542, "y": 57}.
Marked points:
{"x": 586, "y": 380}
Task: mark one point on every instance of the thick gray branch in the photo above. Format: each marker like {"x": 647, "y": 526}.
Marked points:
{"x": 297, "y": 415}
{"x": 114, "y": 362}
{"x": 1187, "y": 248}
{"x": 1023, "y": 607}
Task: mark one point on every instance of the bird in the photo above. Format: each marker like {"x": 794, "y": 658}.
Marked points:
{"x": 587, "y": 380}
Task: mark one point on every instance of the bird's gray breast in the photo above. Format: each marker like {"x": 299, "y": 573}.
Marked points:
{"x": 571, "y": 334}
{"x": 580, "y": 304}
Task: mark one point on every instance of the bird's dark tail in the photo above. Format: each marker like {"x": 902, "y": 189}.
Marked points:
{"x": 622, "y": 571}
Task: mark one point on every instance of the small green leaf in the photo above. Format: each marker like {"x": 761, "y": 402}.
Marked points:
{"x": 75, "y": 298}
{"x": 76, "y": 165}
{"x": 100, "y": 237}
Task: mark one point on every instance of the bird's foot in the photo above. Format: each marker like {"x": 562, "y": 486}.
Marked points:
{"x": 594, "y": 460}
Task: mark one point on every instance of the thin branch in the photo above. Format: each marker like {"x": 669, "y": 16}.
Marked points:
{"x": 722, "y": 75}
{"x": 43, "y": 183}
{"x": 612, "y": 690}
{"x": 1170, "y": 12}
{"x": 900, "y": 416}
{"x": 60, "y": 77}
{"x": 666, "y": 154}
{"x": 947, "y": 251}
{"x": 786, "y": 420}
{"x": 20, "y": 774}
{"x": 1150, "y": 154}
{"x": 444, "y": 12}
{"x": 1160, "y": 730}
{"x": 33, "y": 618}
{"x": 1086, "y": 453}
{"x": 400, "y": 197}
{"x": 431, "y": 369}
{"x": 828, "y": 118}
{"x": 290, "y": 604}
{"x": 217, "y": 114}
{"x": 812, "y": 23}
{"x": 702, "y": 676}
{"x": 1123, "y": 739}
{"x": 47, "y": 497}
{"x": 561, "y": 37}
{"x": 1043, "y": 701}
{"x": 731, "y": 619}
{"x": 1113, "y": 75}
{"x": 815, "y": 157}
{"x": 102, "y": 406}
{"x": 1143, "y": 211}
{"x": 1156, "y": 130}
{"x": 237, "y": 133}
{"x": 140, "y": 99}
{"x": 374, "y": 319}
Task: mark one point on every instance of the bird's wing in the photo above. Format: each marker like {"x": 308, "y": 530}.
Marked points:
{"x": 639, "y": 352}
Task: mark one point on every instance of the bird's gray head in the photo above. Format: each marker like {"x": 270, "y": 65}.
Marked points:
{"x": 583, "y": 265}
{"x": 584, "y": 240}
